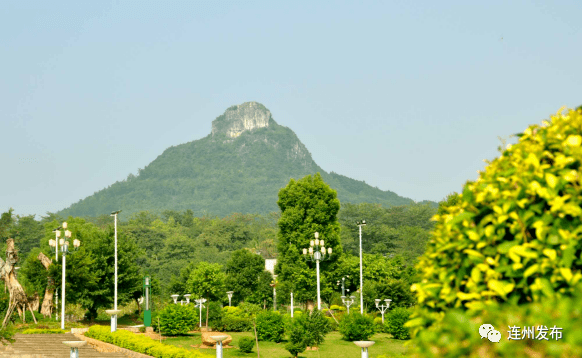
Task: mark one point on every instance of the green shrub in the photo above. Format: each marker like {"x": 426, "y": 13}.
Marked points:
{"x": 246, "y": 344}
{"x": 270, "y": 326}
{"x": 178, "y": 319}
{"x": 233, "y": 319}
{"x": 356, "y": 326}
{"x": 296, "y": 344}
{"x": 395, "y": 321}
{"x": 513, "y": 235}
{"x": 140, "y": 343}
{"x": 457, "y": 335}
{"x": 332, "y": 324}
{"x": 378, "y": 326}
{"x": 44, "y": 331}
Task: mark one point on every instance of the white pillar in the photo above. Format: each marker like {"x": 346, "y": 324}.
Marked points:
{"x": 219, "y": 349}
{"x": 318, "y": 299}
{"x": 361, "y": 281}
{"x": 365, "y": 353}
{"x": 115, "y": 307}
{"x": 63, "y": 290}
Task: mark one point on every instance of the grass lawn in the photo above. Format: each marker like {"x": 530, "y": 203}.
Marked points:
{"x": 333, "y": 347}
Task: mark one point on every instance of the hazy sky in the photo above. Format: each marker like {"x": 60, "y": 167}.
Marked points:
{"x": 409, "y": 96}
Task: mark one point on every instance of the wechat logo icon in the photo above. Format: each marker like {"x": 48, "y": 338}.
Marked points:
{"x": 489, "y": 332}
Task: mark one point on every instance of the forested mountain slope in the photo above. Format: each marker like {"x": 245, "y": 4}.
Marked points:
{"x": 239, "y": 167}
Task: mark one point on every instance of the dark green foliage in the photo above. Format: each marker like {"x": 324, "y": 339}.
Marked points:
{"x": 178, "y": 319}
{"x": 33, "y": 275}
{"x": 222, "y": 175}
{"x": 270, "y": 326}
{"x": 402, "y": 230}
{"x": 395, "y": 320}
{"x": 90, "y": 270}
{"x": 243, "y": 271}
{"x": 233, "y": 319}
{"x": 246, "y": 344}
{"x": 356, "y": 326}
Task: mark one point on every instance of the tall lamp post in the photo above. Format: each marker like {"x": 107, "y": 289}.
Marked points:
{"x": 56, "y": 249}
{"x": 360, "y": 224}
{"x": 317, "y": 253}
{"x": 383, "y": 307}
{"x": 64, "y": 250}
{"x": 115, "y": 311}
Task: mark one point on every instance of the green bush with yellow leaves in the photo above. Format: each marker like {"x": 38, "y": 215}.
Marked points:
{"x": 558, "y": 320}
{"x": 514, "y": 234}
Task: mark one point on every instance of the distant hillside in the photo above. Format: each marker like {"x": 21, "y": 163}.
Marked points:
{"x": 239, "y": 167}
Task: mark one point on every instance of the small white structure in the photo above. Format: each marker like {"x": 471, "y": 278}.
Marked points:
{"x": 270, "y": 265}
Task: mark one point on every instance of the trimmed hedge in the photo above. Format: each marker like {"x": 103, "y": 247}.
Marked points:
{"x": 140, "y": 343}
{"x": 44, "y": 331}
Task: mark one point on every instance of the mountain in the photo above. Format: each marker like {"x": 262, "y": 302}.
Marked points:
{"x": 239, "y": 167}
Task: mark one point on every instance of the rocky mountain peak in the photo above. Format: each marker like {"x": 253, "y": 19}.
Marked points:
{"x": 239, "y": 118}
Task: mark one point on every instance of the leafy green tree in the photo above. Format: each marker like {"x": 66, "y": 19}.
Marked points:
{"x": 27, "y": 233}
{"x": 90, "y": 270}
{"x": 33, "y": 275}
{"x": 207, "y": 281}
{"x": 243, "y": 271}
{"x": 307, "y": 206}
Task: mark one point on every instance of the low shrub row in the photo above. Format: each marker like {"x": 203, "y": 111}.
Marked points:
{"x": 140, "y": 343}
{"x": 44, "y": 331}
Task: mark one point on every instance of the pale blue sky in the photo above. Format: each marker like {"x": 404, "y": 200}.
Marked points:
{"x": 409, "y": 96}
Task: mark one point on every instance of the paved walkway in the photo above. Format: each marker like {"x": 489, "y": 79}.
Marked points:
{"x": 49, "y": 346}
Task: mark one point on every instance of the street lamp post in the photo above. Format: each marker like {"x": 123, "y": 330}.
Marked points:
{"x": 383, "y": 307}
{"x": 360, "y": 224}
{"x": 317, "y": 253}
{"x": 348, "y": 301}
{"x": 64, "y": 250}
{"x": 200, "y": 304}
{"x": 115, "y": 312}
{"x": 229, "y": 294}
{"x": 56, "y": 248}
{"x": 343, "y": 281}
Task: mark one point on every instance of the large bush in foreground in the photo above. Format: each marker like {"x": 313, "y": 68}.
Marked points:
{"x": 356, "y": 326}
{"x": 178, "y": 319}
{"x": 457, "y": 335}
{"x": 140, "y": 343}
{"x": 514, "y": 234}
